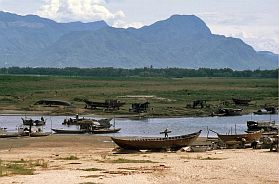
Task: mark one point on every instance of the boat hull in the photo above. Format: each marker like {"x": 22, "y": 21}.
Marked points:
{"x": 9, "y": 135}
{"x": 105, "y": 131}
{"x": 39, "y": 134}
{"x": 176, "y": 142}
{"x": 60, "y": 131}
{"x": 236, "y": 139}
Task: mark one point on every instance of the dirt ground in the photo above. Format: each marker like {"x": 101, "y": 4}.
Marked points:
{"x": 93, "y": 159}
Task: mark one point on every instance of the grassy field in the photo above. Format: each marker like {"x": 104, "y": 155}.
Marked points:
{"x": 167, "y": 96}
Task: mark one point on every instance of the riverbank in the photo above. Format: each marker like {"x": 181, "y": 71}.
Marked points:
{"x": 92, "y": 159}
{"x": 168, "y": 97}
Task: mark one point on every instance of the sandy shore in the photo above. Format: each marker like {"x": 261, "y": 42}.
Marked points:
{"x": 95, "y": 153}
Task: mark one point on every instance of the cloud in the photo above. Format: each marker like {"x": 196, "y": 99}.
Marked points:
{"x": 81, "y": 10}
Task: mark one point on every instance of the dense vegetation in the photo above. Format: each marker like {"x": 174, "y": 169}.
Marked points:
{"x": 141, "y": 72}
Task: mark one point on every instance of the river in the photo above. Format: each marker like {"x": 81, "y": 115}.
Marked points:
{"x": 152, "y": 126}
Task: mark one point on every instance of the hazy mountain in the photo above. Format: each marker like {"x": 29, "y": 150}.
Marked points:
{"x": 22, "y": 37}
{"x": 180, "y": 41}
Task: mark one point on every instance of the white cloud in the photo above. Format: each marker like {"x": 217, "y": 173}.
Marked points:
{"x": 81, "y": 10}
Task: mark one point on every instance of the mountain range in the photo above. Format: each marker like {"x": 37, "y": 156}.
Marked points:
{"x": 182, "y": 41}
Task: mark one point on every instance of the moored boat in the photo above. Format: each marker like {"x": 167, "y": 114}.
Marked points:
{"x": 63, "y": 131}
{"x": 227, "y": 112}
{"x": 155, "y": 143}
{"x": 105, "y": 131}
{"x": 266, "y": 126}
{"x": 9, "y": 135}
{"x": 31, "y": 122}
{"x": 39, "y": 134}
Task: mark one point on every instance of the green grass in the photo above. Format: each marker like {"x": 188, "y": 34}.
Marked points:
{"x": 21, "y": 92}
{"x": 20, "y": 167}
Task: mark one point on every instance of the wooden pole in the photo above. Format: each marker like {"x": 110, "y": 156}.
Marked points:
{"x": 114, "y": 121}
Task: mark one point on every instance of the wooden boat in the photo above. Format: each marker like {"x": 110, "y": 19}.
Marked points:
{"x": 62, "y": 131}
{"x": 105, "y": 131}
{"x": 31, "y": 122}
{"x": 154, "y": 143}
{"x": 39, "y": 134}
{"x": 266, "y": 126}
{"x": 241, "y": 101}
{"x": 9, "y": 135}
{"x": 87, "y": 122}
{"x": 237, "y": 138}
{"x": 228, "y": 112}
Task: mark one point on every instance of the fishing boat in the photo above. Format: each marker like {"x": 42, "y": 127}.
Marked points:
{"x": 62, "y": 131}
{"x": 5, "y": 134}
{"x": 31, "y": 122}
{"x": 238, "y": 138}
{"x": 155, "y": 143}
{"x": 88, "y": 123}
{"x": 39, "y": 134}
{"x": 105, "y": 131}
{"x": 266, "y": 126}
{"x": 9, "y": 135}
{"x": 227, "y": 112}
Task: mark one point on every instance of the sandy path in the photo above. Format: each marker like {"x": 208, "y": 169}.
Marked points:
{"x": 219, "y": 166}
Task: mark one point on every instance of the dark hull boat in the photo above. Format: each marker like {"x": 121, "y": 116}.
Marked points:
{"x": 227, "y": 112}
{"x": 176, "y": 142}
{"x": 39, "y": 134}
{"x": 237, "y": 138}
{"x": 8, "y": 135}
{"x": 105, "y": 131}
{"x": 62, "y": 131}
{"x": 241, "y": 101}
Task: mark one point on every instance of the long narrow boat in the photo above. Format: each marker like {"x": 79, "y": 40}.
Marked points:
{"x": 105, "y": 131}
{"x": 62, "y": 131}
{"x": 154, "y": 143}
{"x": 39, "y": 134}
{"x": 9, "y": 135}
{"x": 238, "y": 138}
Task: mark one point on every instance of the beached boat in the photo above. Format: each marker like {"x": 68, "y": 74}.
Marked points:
{"x": 5, "y": 134}
{"x": 62, "y": 131}
{"x": 39, "y": 134}
{"x": 266, "y": 126}
{"x": 238, "y": 138}
{"x": 155, "y": 143}
{"x": 228, "y": 112}
{"x": 9, "y": 134}
{"x": 105, "y": 131}
{"x": 241, "y": 101}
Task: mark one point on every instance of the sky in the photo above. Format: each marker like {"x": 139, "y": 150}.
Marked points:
{"x": 254, "y": 21}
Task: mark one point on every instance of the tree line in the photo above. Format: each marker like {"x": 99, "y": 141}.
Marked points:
{"x": 140, "y": 72}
